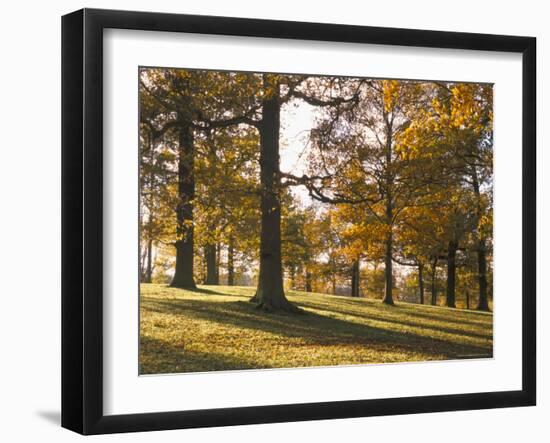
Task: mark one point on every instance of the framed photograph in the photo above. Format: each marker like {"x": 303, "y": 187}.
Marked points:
{"x": 269, "y": 221}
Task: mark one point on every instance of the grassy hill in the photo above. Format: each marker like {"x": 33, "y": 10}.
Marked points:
{"x": 216, "y": 328}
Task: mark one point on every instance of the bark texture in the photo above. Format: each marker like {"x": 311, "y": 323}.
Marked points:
{"x": 183, "y": 275}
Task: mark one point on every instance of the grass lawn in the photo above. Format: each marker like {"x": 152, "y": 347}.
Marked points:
{"x": 216, "y": 328}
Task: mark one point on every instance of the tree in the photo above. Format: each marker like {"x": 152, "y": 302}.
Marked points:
{"x": 356, "y": 160}
{"x": 394, "y": 169}
{"x": 270, "y": 292}
{"x": 456, "y": 129}
{"x": 227, "y": 196}
{"x": 190, "y": 103}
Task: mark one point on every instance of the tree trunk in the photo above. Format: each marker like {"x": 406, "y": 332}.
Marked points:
{"x": 270, "y": 294}
{"x": 388, "y": 272}
{"x": 210, "y": 258}
{"x": 292, "y": 272}
{"x": 433, "y": 282}
{"x": 148, "y": 271}
{"x": 483, "y": 303}
{"x": 142, "y": 258}
{"x": 333, "y": 274}
{"x": 355, "y": 278}
{"x": 421, "y": 282}
{"x": 149, "y": 265}
{"x": 231, "y": 262}
{"x": 183, "y": 275}
{"x": 218, "y": 262}
{"x": 451, "y": 274}
{"x": 308, "y": 280}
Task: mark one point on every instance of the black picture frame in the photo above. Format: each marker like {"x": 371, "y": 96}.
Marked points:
{"x": 82, "y": 215}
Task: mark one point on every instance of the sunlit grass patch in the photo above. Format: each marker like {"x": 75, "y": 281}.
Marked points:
{"x": 216, "y": 328}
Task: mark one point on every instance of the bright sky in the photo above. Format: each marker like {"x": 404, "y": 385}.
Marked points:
{"x": 297, "y": 119}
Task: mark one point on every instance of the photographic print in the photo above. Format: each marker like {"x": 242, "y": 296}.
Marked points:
{"x": 295, "y": 220}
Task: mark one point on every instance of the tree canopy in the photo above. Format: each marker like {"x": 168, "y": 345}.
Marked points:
{"x": 389, "y": 195}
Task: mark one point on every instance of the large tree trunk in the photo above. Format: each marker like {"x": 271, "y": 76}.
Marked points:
{"x": 451, "y": 274}
{"x": 421, "y": 282}
{"x": 355, "y": 279}
{"x": 183, "y": 275}
{"x": 270, "y": 294}
{"x": 231, "y": 262}
{"x": 210, "y": 258}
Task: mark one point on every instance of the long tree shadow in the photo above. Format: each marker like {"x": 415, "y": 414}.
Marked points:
{"x": 485, "y": 319}
{"x": 202, "y": 290}
{"x": 411, "y": 324}
{"x": 459, "y": 317}
{"x": 408, "y": 323}
{"x": 422, "y": 310}
{"x": 312, "y": 328}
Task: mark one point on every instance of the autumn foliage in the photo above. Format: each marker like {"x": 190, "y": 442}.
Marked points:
{"x": 390, "y": 196}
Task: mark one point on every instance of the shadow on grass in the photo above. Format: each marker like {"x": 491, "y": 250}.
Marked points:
{"x": 199, "y": 290}
{"x": 312, "y": 328}
{"x": 156, "y": 355}
{"x": 460, "y": 317}
{"x": 420, "y": 310}
{"x": 441, "y": 314}
{"x": 412, "y": 324}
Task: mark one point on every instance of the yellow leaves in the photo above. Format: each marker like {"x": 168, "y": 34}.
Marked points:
{"x": 456, "y": 117}
{"x": 391, "y": 93}
{"x": 471, "y": 106}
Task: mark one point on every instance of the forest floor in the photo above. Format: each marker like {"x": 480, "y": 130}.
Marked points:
{"x": 217, "y": 328}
